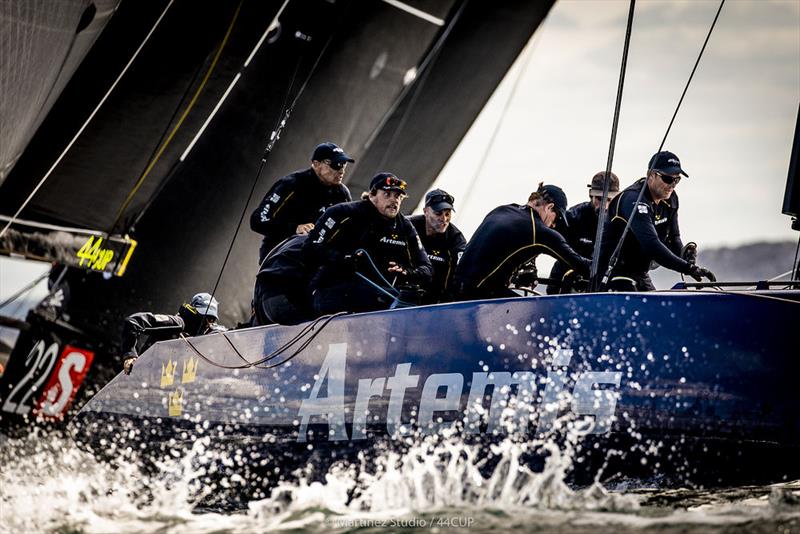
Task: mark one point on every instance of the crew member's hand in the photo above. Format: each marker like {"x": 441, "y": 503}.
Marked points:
{"x": 394, "y": 268}
{"x": 303, "y": 229}
{"x": 355, "y": 260}
{"x": 127, "y": 365}
{"x": 698, "y": 273}
{"x": 689, "y": 252}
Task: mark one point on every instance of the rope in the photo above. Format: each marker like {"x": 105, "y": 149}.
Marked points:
{"x": 795, "y": 266}
{"x": 602, "y": 215}
{"x": 86, "y": 123}
{"x": 325, "y": 319}
{"x": 302, "y": 347}
{"x": 374, "y": 267}
{"x": 615, "y": 255}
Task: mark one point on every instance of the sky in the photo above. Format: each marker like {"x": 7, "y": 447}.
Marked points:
{"x": 550, "y": 119}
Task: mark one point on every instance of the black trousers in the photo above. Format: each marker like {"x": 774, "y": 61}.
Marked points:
{"x": 355, "y": 295}
{"x": 631, "y": 282}
{"x": 277, "y": 301}
{"x": 465, "y": 291}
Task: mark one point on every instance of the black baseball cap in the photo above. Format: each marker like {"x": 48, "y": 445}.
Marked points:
{"x": 387, "y": 181}
{"x": 331, "y": 152}
{"x": 439, "y": 199}
{"x": 556, "y": 195}
{"x": 667, "y": 163}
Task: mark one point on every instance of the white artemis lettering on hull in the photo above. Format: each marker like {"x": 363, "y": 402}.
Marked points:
{"x": 443, "y": 393}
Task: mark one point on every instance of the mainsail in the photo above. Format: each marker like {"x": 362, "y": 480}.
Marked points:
{"x": 172, "y": 156}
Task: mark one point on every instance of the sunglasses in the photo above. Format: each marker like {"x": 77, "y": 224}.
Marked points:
{"x": 392, "y": 181}
{"x": 441, "y": 198}
{"x": 335, "y": 165}
{"x": 669, "y": 180}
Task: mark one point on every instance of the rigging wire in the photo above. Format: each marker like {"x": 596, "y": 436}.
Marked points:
{"x": 423, "y": 68}
{"x": 24, "y": 290}
{"x": 426, "y": 68}
{"x": 615, "y": 255}
{"x": 88, "y": 120}
{"x": 275, "y": 135}
{"x": 52, "y": 290}
{"x": 601, "y": 217}
{"x": 166, "y": 142}
{"x": 795, "y": 265}
{"x": 274, "y": 23}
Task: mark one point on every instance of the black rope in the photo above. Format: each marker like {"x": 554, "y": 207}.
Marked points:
{"x": 795, "y": 264}
{"x": 602, "y": 215}
{"x": 311, "y": 338}
{"x": 325, "y": 319}
{"x": 615, "y": 255}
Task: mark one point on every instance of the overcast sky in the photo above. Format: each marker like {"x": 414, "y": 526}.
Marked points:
{"x": 551, "y": 117}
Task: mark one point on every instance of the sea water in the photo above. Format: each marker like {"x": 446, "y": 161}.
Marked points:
{"x": 49, "y": 484}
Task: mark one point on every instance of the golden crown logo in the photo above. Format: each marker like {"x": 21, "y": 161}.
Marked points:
{"x": 189, "y": 371}
{"x": 175, "y": 403}
{"x": 168, "y": 373}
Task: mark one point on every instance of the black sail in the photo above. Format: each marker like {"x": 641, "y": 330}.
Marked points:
{"x": 41, "y": 45}
{"x": 125, "y": 174}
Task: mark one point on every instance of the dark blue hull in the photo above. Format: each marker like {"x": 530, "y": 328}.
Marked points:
{"x": 693, "y": 386}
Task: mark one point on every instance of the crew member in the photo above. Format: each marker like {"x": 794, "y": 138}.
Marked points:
{"x": 580, "y": 228}
{"x": 509, "y": 237}
{"x": 281, "y": 294}
{"x": 198, "y": 317}
{"x": 365, "y": 251}
{"x": 654, "y": 235}
{"x": 443, "y": 242}
{"x": 295, "y": 201}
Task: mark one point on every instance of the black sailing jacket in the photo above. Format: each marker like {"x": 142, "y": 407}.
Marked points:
{"x": 295, "y": 199}
{"x": 345, "y": 228}
{"x": 508, "y": 237}
{"x": 653, "y": 236}
{"x": 444, "y": 251}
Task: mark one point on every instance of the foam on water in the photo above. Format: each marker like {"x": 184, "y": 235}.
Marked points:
{"x": 50, "y": 485}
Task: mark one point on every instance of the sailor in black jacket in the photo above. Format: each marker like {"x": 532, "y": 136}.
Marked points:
{"x": 510, "y": 236}
{"x": 281, "y": 293}
{"x": 393, "y": 252}
{"x": 198, "y": 317}
{"x": 580, "y": 226}
{"x": 654, "y": 235}
{"x": 295, "y": 201}
{"x": 443, "y": 242}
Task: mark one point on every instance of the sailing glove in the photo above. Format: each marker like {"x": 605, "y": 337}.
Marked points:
{"x": 356, "y": 261}
{"x": 698, "y": 273}
{"x": 689, "y": 252}
{"x": 128, "y": 360}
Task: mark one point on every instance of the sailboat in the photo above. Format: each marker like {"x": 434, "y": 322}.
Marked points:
{"x": 136, "y": 179}
{"x": 695, "y": 382}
